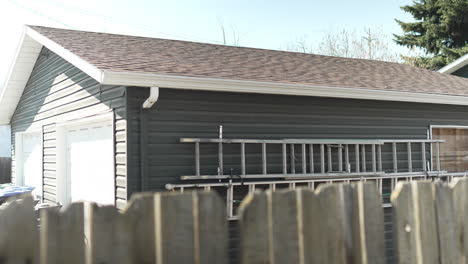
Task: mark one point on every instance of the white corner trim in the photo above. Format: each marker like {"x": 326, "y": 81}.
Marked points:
{"x": 455, "y": 65}
{"x": 225, "y": 85}
{"x": 78, "y": 62}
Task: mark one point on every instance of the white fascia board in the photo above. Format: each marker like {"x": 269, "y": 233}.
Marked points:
{"x": 455, "y": 65}
{"x": 225, "y": 85}
{"x": 18, "y": 75}
{"x": 78, "y": 62}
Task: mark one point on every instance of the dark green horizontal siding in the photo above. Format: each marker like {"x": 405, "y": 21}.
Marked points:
{"x": 57, "y": 89}
{"x": 185, "y": 113}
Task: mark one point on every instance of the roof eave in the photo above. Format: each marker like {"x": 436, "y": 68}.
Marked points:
{"x": 243, "y": 86}
{"x": 455, "y": 65}
{"x": 18, "y": 74}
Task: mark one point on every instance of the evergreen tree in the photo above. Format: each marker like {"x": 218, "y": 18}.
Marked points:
{"x": 440, "y": 30}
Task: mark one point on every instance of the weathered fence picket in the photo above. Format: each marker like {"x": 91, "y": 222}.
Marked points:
{"x": 460, "y": 203}
{"x": 429, "y": 222}
{"x": 335, "y": 224}
{"x": 18, "y": 232}
{"x": 62, "y": 235}
{"x": 162, "y": 228}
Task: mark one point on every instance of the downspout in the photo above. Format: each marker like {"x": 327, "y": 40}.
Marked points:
{"x": 150, "y": 101}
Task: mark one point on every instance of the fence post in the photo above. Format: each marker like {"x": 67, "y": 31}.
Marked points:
{"x": 62, "y": 235}
{"x": 18, "y": 232}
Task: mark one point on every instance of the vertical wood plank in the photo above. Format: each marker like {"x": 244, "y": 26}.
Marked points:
{"x": 255, "y": 225}
{"x": 18, "y": 232}
{"x": 212, "y": 228}
{"x": 329, "y": 158}
{"x": 367, "y": 223}
{"x": 174, "y": 228}
{"x": 446, "y": 224}
{"x": 284, "y": 231}
{"x": 190, "y": 228}
{"x": 108, "y": 234}
{"x": 139, "y": 215}
{"x": 326, "y": 239}
{"x": 415, "y": 229}
{"x": 62, "y": 235}
{"x": 460, "y": 201}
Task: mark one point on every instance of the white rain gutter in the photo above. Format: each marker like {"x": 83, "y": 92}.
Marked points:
{"x": 153, "y": 97}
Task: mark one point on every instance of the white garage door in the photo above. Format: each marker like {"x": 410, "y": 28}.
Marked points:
{"x": 90, "y": 164}
{"x": 31, "y": 158}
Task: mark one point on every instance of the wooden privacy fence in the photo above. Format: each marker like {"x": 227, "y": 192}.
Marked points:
{"x": 155, "y": 228}
{"x": 339, "y": 223}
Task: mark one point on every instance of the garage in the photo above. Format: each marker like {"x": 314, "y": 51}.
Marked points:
{"x": 90, "y": 163}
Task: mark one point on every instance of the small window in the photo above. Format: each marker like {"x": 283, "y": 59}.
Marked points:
{"x": 454, "y": 151}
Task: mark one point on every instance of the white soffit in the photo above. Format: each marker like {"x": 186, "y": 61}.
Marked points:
{"x": 455, "y": 65}
{"x": 17, "y": 76}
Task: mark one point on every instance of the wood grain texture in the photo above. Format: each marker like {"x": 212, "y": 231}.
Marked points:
{"x": 18, "y": 232}
{"x": 61, "y": 235}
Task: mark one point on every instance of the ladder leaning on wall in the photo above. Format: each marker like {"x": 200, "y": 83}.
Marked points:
{"x": 310, "y": 162}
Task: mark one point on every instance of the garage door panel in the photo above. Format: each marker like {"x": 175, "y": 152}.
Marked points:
{"x": 32, "y": 162}
{"x": 90, "y": 164}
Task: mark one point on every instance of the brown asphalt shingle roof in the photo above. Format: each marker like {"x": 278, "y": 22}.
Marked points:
{"x": 120, "y": 53}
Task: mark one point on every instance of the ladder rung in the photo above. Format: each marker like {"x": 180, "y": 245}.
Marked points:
{"x": 410, "y": 161}
{"x": 264, "y": 159}
{"x": 304, "y": 158}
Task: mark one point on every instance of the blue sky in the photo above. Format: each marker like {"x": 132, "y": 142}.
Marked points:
{"x": 268, "y": 24}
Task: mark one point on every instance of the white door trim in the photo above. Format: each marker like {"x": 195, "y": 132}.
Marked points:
{"x": 63, "y": 195}
{"x": 19, "y": 157}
